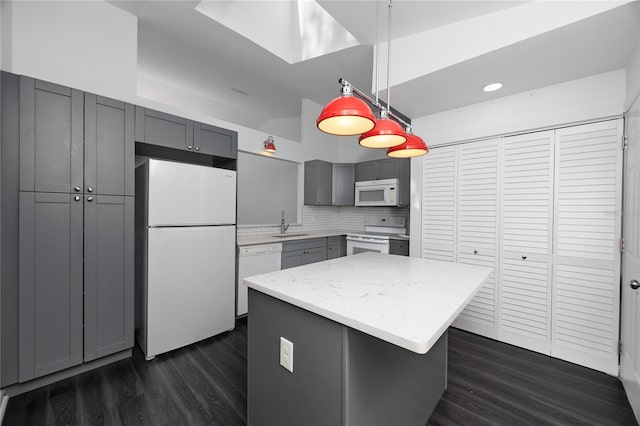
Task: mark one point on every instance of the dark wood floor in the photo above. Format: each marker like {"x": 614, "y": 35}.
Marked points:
{"x": 490, "y": 383}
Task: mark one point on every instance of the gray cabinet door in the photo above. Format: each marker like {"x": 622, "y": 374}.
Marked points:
{"x": 389, "y": 168}
{"x": 399, "y": 247}
{"x": 108, "y": 275}
{"x": 318, "y": 176}
{"x": 317, "y": 254}
{"x": 50, "y": 283}
{"x": 214, "y": 140}
{"x": 51, "y": 139}
{"x": 159, "y": 128}
{"x": 333, "y": 251}
{"x": 109, "y": 146}
{"x": 367, "y": 170}
{"x": 292, "y": 259}
{"x": 343, "y": 190}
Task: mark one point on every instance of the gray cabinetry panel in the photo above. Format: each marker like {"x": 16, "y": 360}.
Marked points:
{"x": 109, "y": 146}
{"x": 318, "y": 186}
{"x": 108, "y": 275}
{"x": 303, "y": 252}
{"x": 51, "y": 140}
{"x": 343, "y": 190}
{"x": 214, "y": 140}
{"x": 389, "y": 168}
{"x": 50, "y": 295}
{"x": 159, "y": 128}
{"x": 336, "y": 246}
{"x": 292, "y": 259}
{"x": 367, "y": 170}
{"x": 400, "y": 247}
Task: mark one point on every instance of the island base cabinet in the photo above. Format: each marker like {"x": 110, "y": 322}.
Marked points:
{"x": 340, "y": 376}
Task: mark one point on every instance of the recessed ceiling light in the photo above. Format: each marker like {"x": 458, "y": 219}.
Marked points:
{"x": 492, "y": 87}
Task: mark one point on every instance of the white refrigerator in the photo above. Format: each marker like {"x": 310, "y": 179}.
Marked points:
{"x": 185, "y": 254}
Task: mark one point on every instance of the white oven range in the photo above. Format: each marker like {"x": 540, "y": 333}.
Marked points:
{"x": 376, "y": 237}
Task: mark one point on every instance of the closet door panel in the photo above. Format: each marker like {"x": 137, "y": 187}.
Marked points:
{"x": 439, "y": 204}
{"x": 477, "y": 229}
{"x": 526, "y": 231}
{"x": 586, "y": 275}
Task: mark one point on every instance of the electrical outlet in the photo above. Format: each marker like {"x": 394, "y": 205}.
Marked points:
{"x": 286, "y": 354}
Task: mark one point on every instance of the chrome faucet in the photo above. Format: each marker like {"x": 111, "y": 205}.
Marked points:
{"x": 283, "y": 227}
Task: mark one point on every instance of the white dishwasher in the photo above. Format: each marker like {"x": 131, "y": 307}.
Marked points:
{"x": 255, "y": 260}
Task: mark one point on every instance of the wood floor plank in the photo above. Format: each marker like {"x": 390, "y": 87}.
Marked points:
{"x": 489, "y": 383}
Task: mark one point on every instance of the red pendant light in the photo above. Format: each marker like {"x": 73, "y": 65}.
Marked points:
{"x": 387, "y": 133}
{"x": 346, "y": 115}
{"x": 413, "y": 147}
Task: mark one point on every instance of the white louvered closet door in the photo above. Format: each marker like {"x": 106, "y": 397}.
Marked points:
{"x": 439, "y": 204}
{"x": 526, "y": 225}
{"x": 586, "y": 271}
{"x": 477, "y": 230}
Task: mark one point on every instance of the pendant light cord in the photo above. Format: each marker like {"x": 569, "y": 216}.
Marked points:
{"x": 377, "y": 46}
{"x": 389, "y": 56}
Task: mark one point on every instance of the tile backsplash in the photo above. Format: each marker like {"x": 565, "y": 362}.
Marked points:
{"x": 320, "y": 218}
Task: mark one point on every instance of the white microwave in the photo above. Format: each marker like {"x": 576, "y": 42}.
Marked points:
{"x": 377, "y": 193}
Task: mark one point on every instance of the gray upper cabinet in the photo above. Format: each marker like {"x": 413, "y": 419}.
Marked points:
{"x": 388, "y": 168}
{"x": 367, "y": 170}
{"x": 50, "y": 283}
{"x": 162, "y": 129}
{"x": 51, "y": 139}
{"x": 108, "y": 275}
{"x": 214, "y": 140}
{"x": 109, "y": 146}
{"x": 318, "y": 186}
{"x": 343, "y": 191}
{"x": 159, "y": 128}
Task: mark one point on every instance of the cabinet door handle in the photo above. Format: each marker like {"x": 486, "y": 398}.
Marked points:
{"x": 89, "y": 189}
{"x": 89, "y": 199}
{"x": 197, "y": 148}
{"x": 76, "y": 198}
{"x": 524, "y": 257}
{"x": 475, "y": 252}
{"x": 76, "y": 188}
{"x": 189, "y": 147}
{"x": 634, "y": 284}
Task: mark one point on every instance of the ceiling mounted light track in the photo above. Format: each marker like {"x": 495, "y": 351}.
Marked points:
{"x": 349, "y": 116}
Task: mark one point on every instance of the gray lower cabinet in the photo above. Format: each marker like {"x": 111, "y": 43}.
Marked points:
{"x": 336, "y": 246}
{"x": 162, "y": 129}
{"x": 399, "y": 247}
{"x": 303, "y": 252}
{"x": 75, "y": 280}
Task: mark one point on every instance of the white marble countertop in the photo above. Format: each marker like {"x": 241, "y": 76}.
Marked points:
{"x": 293, "y": 235}
{"x": 403, "y": 300}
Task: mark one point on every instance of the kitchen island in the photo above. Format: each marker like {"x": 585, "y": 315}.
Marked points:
{"x": 369, "y": 339}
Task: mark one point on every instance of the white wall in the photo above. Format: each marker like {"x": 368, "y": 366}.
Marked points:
{"x": 588, "y": 98}
{"x": 87, "y": 45}
{"x": 585, "y": 99}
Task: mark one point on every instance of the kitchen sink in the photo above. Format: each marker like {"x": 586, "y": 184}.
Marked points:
{"x": 292, "y": 234}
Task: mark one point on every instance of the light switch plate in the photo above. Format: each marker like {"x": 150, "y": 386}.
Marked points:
{"x": 286, "y": 354}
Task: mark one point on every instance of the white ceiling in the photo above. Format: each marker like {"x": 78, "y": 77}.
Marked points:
{"x": 181, "y": 47}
